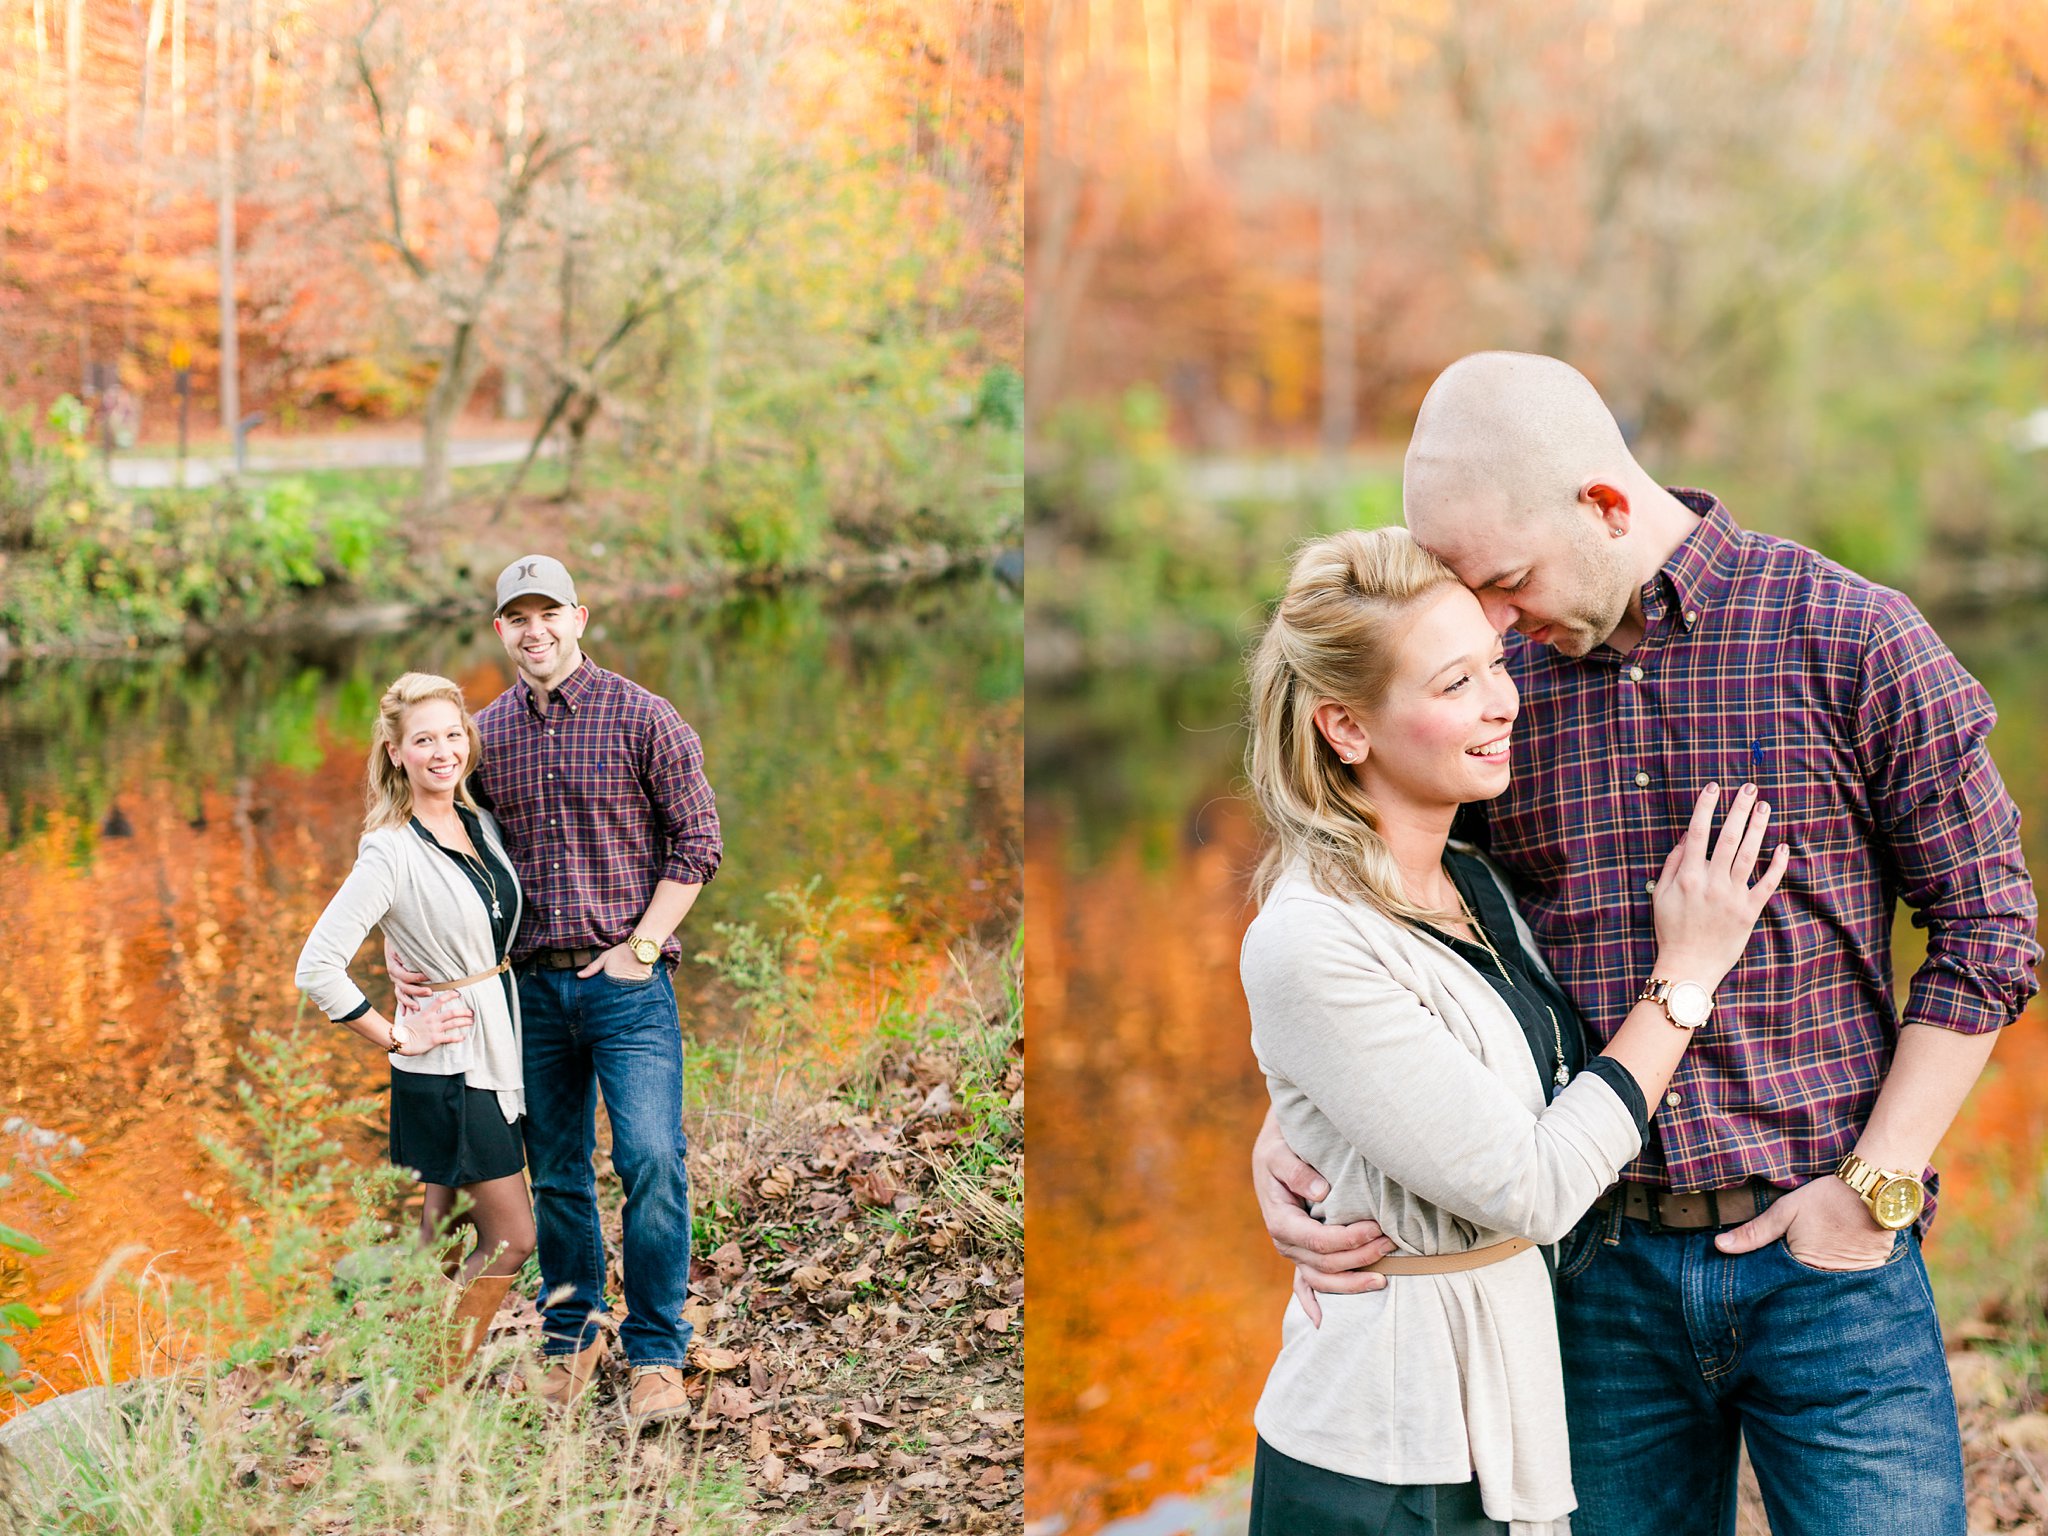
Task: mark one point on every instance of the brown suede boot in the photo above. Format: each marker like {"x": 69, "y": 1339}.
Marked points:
{"x": 657, "y": 1394}
{"x": 472, "y": 1323}
{"x": 567, "y": 1377}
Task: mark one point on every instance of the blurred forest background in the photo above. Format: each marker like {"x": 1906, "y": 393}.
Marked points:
{"x": 1799, "y": 246}
{"x": 744, "y": 277}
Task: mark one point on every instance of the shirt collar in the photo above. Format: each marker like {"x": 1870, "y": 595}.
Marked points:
{"x": 1699, "y": 572}
{"x": 573, "y": 690}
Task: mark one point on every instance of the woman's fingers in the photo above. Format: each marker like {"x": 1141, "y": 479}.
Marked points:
{"x": 1673, "y": 859}
{"x": 1700, "y": 830}
{"x": 1780, "y": 861}
{"x": 1732, "y": 829}
{"x": 1744, "y": 868}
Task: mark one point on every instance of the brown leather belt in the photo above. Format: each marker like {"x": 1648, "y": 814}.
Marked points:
{"x": 562, "y": 959}
{"x": 1448, "y": 1263}
{"x": 1686, "y": 1212}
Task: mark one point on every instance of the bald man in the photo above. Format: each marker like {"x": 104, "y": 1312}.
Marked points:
{"x": 1757, "y": 1274}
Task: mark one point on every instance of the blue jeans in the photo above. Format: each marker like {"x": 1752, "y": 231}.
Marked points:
{"x": 623, "y": 1038}
{"x": 1674, "y": 1352}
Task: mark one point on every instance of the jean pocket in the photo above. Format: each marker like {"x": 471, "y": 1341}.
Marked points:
{"x": 1902, "y": 1241}
{"x": 628, "y": 986}
{"x": 1576, "y": 1253}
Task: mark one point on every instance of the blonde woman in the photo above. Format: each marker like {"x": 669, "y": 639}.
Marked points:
{"x": 432, "y": 871}
{"x": 1420, "y": 1055}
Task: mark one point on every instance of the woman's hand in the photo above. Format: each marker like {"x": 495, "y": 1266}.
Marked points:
{"x": 1705, "y": 906}
{"x": 445, "y": 1019}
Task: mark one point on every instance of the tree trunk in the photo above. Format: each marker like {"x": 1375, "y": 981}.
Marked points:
{"x": 581, "y": 414}
{"x": 74, "y": 70}
{"x": 224, "y": 144}
{"x": 461, "y": 362}
{"x": 1340, "y": 308}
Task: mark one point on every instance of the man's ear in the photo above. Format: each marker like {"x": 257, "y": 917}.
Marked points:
{"x": 1342, "y": 730}
{"x": 1610, "y": 503}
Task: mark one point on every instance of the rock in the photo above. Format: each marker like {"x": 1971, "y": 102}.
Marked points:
{"x": 1980, "y": 1381}
{"x": 2028, "y": 1433}
{"x": 32, "y": 1443}
{"x": 366, "y": 1269}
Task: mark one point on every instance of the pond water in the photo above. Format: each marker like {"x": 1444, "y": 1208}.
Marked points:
{"x": 1156, "y": 1297}
{"x": 170, "y": 827}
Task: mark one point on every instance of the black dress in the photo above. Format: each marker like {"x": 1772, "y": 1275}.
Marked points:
{"x": 445, "y": 1130}
{"x": 1293, "y": 1498}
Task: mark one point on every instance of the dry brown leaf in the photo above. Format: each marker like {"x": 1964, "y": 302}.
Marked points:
{"x": 710, "y": 1357}
{"x": 813, "y": 1277}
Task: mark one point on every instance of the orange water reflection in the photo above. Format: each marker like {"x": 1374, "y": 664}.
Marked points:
{"x": 1155, "y": 1296}
{"x": 173, "y": 834}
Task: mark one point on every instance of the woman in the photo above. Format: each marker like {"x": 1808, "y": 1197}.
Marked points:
{"x": 432, "y": 870}
{"x": 1420, "y": 1055}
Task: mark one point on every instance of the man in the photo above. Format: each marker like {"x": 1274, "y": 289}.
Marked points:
{"x": 1757, "y": 1273}
{"x": 599, "y": 786}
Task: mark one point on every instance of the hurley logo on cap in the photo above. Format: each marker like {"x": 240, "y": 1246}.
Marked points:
{"x": 536, "y": 575}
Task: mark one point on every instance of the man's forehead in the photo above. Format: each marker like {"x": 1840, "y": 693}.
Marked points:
{"x": 1479, "y": 550}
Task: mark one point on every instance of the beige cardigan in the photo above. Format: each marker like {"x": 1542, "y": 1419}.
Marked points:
{"x": 1400, "y": 1075}
{"x": 430, "y": 911}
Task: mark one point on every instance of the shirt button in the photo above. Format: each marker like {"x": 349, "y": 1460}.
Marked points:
{"x": 1692, "y": 616}
{"x": 1642, "y": 780}
{"x": 1650, "y": 886}
{"x": 1635, "y": 675}
{"x": 551, "y": 730}
{"x": 1671, "y": 1098}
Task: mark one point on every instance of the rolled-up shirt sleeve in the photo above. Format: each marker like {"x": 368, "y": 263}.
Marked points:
{"x": 1947, "y": 827}
{"x": 672, "y": 765}
{"x": 360, "y": 904}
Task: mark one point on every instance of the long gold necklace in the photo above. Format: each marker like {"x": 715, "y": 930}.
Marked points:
{"x": 1563, "y": 1074}
{"x": 483, "y": 868}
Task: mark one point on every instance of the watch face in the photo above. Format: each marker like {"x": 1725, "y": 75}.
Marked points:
{"x": 1897, "y": 1203}
{"x": 1689, "y": 1004}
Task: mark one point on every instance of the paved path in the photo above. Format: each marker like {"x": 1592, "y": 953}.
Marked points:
{"x": 289, "y": 455}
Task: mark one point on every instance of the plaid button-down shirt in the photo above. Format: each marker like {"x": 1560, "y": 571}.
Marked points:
{"x": 601, "y": 793}
{"x": 1762, "y": 662}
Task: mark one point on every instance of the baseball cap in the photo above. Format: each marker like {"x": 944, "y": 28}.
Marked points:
{"x": 536, "y": 573}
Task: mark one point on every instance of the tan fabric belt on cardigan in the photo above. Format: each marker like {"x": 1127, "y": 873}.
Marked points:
{"x": 1448, "y": 1263}
{"x": 499, "y": 969}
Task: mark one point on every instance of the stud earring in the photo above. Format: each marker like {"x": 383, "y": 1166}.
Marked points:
{"x": 1616, "y": 533}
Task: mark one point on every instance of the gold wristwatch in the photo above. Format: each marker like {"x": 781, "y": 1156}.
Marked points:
{"x": 1686, "y": 1004}
{"x": 646, "y": 951}
{"x": 1894, "y": 1198}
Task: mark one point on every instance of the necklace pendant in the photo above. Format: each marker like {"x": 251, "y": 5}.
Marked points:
{"x": 1564, "y": 1074}
{"x": 496, "y": 910}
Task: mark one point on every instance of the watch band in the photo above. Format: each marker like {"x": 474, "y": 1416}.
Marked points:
{"x": 1659, "y": 989}
{"x": 1881, "y": 1190}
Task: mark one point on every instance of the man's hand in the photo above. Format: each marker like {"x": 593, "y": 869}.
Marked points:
{"x": 412, "y": 986}
{"x": 1327, "y": 1258}
{"x": 1824, "y": 1223}
{"x": 618, "y": 963}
